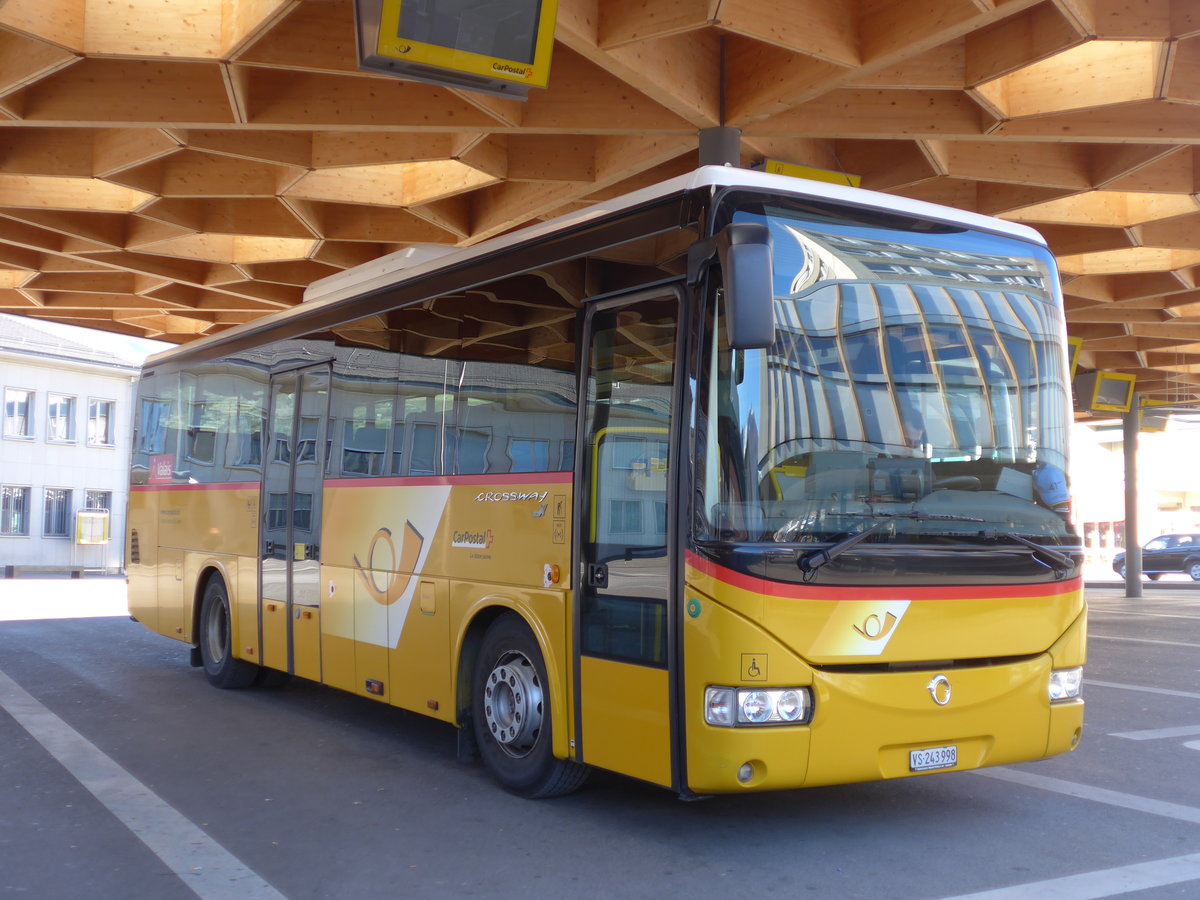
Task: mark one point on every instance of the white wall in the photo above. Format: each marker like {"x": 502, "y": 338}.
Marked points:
{"x": 39, "y": 464}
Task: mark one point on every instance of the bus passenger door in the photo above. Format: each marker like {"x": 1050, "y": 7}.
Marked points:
{"x": 290, "y": 536}
{"x": 624, "y": 631}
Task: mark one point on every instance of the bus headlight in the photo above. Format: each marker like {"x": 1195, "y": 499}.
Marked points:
{"x": 729, "y": 707}
{"x": 1065, "y": 684}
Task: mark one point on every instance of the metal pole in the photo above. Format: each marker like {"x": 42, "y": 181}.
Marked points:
{"x": 1133, "y": 544}
{"x": 720, "y": 146}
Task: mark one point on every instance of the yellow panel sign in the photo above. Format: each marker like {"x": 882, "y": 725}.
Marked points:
{"x": 775, "y": 167}
{"x": 496, "y": 48}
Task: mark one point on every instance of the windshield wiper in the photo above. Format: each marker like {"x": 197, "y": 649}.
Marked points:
{"x": 1061, "y": 563}
{"x": 814, "y": 559}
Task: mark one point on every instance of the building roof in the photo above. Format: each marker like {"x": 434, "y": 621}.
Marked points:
{"x": 33, "y": 338}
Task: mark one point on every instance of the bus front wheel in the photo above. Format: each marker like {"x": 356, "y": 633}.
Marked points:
{"x": 216, "y": 641}
{"x": 511, "y": 714}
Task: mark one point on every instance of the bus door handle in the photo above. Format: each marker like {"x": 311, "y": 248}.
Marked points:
{"x": 597, "y": 575}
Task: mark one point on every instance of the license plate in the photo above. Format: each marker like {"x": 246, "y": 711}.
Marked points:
{"x": 933, "y": 758}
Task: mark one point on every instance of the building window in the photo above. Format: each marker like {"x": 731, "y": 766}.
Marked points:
{"x": 625, "y": 517}
{"x": 202, "y": 434}
{"x": 250, "y": 427}
{"x": 98, "y": 500}
{"x": 277, "y": 511}
{"x": 56, "y": 521}
{"x": 100, "y": 423}
{"x": 14, "y": 510}
{"x": 60, "y": 418}
{"x": 528, "y": 455}
{"x": 153, "y": 426}
{"x": 18, "y": 413}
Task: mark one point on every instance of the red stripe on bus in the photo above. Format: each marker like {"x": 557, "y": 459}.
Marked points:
{"x": 911, "y": 592}
{"x": 499, "y": 480}
{"x": 214, "y": 486}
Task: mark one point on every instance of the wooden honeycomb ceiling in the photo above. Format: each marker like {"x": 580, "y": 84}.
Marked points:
{"x": 169, "y": 169}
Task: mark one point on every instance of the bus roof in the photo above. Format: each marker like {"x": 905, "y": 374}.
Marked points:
{"x": 414, "y": 262}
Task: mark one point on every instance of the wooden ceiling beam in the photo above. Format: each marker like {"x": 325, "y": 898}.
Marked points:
{"x": 1039, "y": 164}
{"x": 1113, "y": 360}
{"x": 130, "y": 91}
{"x": 831, "y": 32}
{"x": 14, "y": 300}
{"x": 1110, "y": 313}
{"x": 762, "y": 80}
{"x": 350, "y": 222}
{"x": 347, "y": 254}
{"x": 66, "y": 300}
{"x": 880, "y": 114}
{"x": 1122, "y": 19}
{"x": 1148, "y": 121}
{"x": 1138, "y": 167}
{"x": 312, "y": 37}
{"x": 452, "y": 214}
{"x": 887, "y": 165}
{"x": 62, "y": 152}
{"x": 995, "y": 198}
{"x": 1179, "y": 332}
{"x": 278, "y": 97}
{"x": 589, "y": 100}
{"x": 1027, "y": 37}
{"x": 1065, "y": 240}
{"x": 680, "y": 70}
{"x": 626, "y": 21}
{"x": 336, "y": 149}
{"x": 112, "y": 281}
{"x": 941, "y": 69}
{"x": 280, "y": 147}
{"x": 25, "y": 60}
{"x": 504, "y": 206}
{"x": 54, "y": 21}
{"x": 536, "y": 157}
{"x": 1181, "y": 232}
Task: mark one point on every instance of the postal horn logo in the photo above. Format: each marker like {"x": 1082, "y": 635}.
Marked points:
{"x": 873, "y": 628}
{"x": 388, "y": 568}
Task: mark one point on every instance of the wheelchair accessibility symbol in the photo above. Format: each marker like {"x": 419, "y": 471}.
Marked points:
{"x": 754, "y": 667}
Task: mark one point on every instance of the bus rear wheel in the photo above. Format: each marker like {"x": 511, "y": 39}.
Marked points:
{"x": 511, "y": 714}
{"x": 216, "y": 641}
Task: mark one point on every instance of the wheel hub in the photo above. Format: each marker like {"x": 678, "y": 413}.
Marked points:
{"x": 512, "y": 704}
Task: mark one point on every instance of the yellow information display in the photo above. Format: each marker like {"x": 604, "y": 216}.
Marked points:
{"x": 494, "y": 48}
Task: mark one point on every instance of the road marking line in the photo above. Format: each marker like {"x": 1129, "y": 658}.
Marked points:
{"x": 202, "y": 864}
{"x": 1145, "y": 615}
{"x": 1104, "y": 883}
{"x": 1191, "y": 695}
{"x": 1154, "y": 734}
{"x": 1096, "y": 795}
{"x": 1132, "y": 640}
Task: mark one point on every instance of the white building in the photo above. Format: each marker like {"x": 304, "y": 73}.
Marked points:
{"x": 64, "y": 447}
{"x": 1168, "y": 483}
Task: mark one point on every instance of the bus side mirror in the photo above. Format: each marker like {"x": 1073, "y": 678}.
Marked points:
{"x": 744, "y": 249}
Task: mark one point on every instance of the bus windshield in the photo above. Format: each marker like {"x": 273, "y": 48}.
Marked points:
{"x": 917, "y": 377}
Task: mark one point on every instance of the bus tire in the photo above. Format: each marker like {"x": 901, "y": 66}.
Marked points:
{"x": 216, "y": 641}
{"x": 511, "y": 714}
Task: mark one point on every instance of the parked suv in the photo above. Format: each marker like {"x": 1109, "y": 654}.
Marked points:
{"x": 1167, "y": 554}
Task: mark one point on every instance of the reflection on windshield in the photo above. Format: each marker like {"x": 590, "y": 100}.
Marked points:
{"x": 918, "y": 373}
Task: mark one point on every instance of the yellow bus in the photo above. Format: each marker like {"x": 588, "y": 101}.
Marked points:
{"x": 737, "y": 482}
